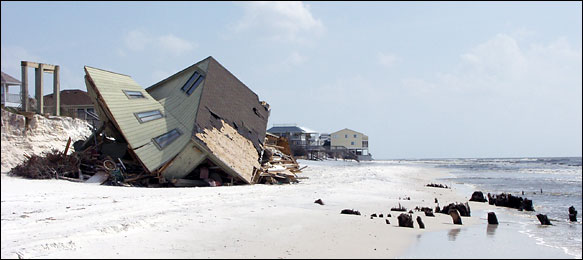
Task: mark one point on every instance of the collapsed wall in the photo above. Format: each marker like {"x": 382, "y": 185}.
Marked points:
{"x": 42, "y": 134}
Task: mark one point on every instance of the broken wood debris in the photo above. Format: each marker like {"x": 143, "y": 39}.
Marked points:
{"x": 278, "y": 164}
{"x": 87, "y": 163}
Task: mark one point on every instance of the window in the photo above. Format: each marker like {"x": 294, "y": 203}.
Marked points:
{"x": 167, "y": 138}
{"x": 364, "y": 143}
{"x": 354, "y": 136}
{"x": 351, "y": 143}
{"x": 345, "y": 136}
{"x": 134, "y": 94}
{"x": 192, "y": 83}
{"x": 148, "y": 115}
{"x": 81, "y": 113}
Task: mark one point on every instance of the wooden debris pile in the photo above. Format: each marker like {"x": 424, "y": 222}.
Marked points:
{"x": 93, "y": 161}
{"x": 278, "y": 166}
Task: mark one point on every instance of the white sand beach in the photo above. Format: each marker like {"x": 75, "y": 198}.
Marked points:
{"x": 62, "y": 219}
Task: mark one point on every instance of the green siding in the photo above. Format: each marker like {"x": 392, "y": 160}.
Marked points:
{"x": 186, "y": 161}
{"x": 175, "y": 101}
{"x": 138, "y": 135}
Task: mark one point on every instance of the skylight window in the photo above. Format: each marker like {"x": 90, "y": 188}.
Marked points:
{"x": 134, "y": 94}
{"x": 167, "y": 138}
{"x": 192, "y": 83}
{"x": 148, "y": 115}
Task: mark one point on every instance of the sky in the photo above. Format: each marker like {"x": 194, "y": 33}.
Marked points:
{"x": 421, "y": 79}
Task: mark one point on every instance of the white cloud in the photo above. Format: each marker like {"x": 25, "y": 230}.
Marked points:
{"x": 140, "y": 41}
{"x": 12, "y": 56}
{"x": 295, "y": 59}
{"x": 386, "y": 59}
{"x": 502, "y": 66}
{"x": 285, "y": 21}
{"x": 137, "y": 40}
{"x": 174, "y": 44}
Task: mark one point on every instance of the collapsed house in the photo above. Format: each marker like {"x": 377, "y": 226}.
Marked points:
{"x": 201, "y": 126}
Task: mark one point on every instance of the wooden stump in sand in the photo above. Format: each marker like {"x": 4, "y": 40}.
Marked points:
{"x": 455, "y": 216}
{"x": 405, "y": 220}
{"x": 492, "y": 218}
{"x": 544, "y": 220}
{"x": 420, "y": 222}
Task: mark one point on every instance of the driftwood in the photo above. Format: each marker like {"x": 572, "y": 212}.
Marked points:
{"x": 350, "y": 212}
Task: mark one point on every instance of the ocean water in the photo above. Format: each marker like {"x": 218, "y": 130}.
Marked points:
{"x": 559, "y": 179}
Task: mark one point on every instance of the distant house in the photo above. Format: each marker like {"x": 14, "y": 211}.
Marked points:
{"x": 296, "y": 135}
{"x": 355, "y": 142}
{"x": 10, "y": 98}
{"x": 199, "y": 124}
{"x": 74, "y": 103}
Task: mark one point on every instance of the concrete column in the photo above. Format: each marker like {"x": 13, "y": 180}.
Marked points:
{"x": 24, "y": 89}
{"x": 57, "y": 91}
{"x": 39, "y": 89}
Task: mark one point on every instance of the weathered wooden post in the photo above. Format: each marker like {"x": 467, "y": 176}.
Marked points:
{"x": 57, "y": 91}
{"x": 24, "y": 88}
{"x": 39, "y": 88}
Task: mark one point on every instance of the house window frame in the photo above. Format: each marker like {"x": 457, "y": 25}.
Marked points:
{"x": 172, "y": 137}
{"x": 141, "y": 118}
{"x": 193, "y": 82}
{"x": 132, "y": 95}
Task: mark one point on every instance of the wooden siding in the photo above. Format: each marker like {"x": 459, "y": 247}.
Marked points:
{"x": 139, "y": 136}
{"x": 186, "y": 161}
{"x": 338, "y": 139}
{"x": 182, "y": 106}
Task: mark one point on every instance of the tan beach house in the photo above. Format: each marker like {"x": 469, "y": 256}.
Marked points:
{"x": 355, "y": 142}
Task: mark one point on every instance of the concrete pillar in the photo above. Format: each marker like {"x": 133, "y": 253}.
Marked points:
{"x": 24, "y": 89}
{"x": 57, "y": 91}
{"x": 39, "y": 89}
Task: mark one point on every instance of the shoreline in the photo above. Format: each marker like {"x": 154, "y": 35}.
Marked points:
{"x": 61, "y": 219}
{"x": 477, "y": 241}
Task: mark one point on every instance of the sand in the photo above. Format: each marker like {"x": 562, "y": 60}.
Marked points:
{"x": 61, "y": 219}
{"x": 43, "y": 134}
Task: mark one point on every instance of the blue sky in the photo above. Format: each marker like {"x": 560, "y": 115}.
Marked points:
{"x": 421, "y": 79}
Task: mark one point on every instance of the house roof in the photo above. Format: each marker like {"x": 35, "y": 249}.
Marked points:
{"x": 9, "y": 80}
{"x": 228, "y": 124}
{"x": 225, "y": 97}
{"x": 290, "y": 129}
{"x": 70, "y": 97}
{"x": 350, "y": 130}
